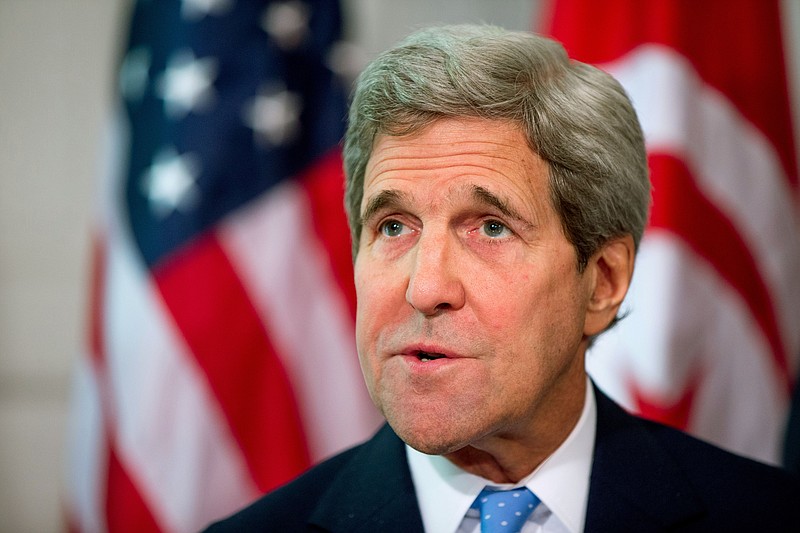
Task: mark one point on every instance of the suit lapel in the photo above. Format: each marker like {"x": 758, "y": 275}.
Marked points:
{"x": 373, "y": 492}
{"x": 635, "y": 485}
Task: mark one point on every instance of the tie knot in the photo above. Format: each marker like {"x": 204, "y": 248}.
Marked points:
{"x": 505, "y": 511}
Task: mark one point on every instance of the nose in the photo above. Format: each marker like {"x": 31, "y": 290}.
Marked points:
{"x": 434, "y": 284}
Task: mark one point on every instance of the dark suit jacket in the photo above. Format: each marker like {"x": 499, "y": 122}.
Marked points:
{"x": 645, "y": 477}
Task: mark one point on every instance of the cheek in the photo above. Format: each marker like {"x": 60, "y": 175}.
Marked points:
{"x": 503, "y": 299}
{"x": 367, "y": 285}
{"x": 365, "y": 347}
{"x": 378, "y": 305}
{"x": 533, "y": 308}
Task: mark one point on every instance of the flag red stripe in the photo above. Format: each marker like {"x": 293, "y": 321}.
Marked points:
{"x": 231, "y": 345}
{"x": 677, "y": 413}
{"x": 685, "y": 25}
{"x": 125, "y": 508}
{"x": 681, "y": 208}
{"x": 97, "y": 285}
{"x": 323, "y": 183}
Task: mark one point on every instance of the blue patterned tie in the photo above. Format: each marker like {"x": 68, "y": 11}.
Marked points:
{"x": 504, "y": 511}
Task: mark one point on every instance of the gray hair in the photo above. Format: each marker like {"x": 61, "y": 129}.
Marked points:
{"x": 575, "y": 117}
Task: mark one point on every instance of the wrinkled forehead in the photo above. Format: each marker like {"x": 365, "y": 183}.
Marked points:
{"x": 473, "y": 160}
{"x": 447, "y": 141}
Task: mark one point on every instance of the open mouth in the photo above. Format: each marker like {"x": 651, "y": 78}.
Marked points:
{"x": 429, "y": 356}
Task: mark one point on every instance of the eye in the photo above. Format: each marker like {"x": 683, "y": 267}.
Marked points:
{"x": 494, "y": 229}
{"x": 392, "y": 228}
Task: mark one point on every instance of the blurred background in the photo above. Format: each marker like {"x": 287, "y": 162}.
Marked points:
{"x": 57, "y": 83}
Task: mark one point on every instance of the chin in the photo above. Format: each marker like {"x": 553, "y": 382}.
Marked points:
{"x": 430, "y": 446}
{"x": 431, "y": 435}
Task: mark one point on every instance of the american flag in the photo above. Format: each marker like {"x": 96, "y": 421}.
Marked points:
{"x": 712, "y": 343}
{"x": 221, "y": 360}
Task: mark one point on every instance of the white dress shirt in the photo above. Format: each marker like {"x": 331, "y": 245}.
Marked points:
{"x": 445, "y": 492}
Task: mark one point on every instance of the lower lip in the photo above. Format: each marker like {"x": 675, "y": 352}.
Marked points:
{"x": 417, "y": 365}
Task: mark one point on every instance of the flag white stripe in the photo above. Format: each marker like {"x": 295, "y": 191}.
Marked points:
{"x": 89, "y": 431}
{"x": 87, "y": 450}
{"x": 169, "y": 429}
{"x": 278, "y": 257}
{"x": 734, "y": 164}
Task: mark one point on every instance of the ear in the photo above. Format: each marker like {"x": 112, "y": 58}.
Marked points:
{"x": 610, "y": 270}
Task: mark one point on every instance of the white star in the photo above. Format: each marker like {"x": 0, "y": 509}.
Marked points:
{"x": 275, "y": 115}
{"x": 346, "y": 60}
{"x": 134, "y": 73}
{"x": 187, "y": 84}
{"x": 287, "y": 23}
{"x": 170, "y": 183}
{"x": 195, "y": 10}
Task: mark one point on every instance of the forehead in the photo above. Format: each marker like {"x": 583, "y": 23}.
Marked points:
{"x": 458, "y": 154}
{"x": 454, "y": 137}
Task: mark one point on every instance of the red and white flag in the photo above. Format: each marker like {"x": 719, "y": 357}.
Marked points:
{"x": 221, "y": 359}
{"x": 712, "y": 341}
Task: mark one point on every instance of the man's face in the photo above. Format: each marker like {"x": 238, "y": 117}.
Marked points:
{"x": 470, "y": 307}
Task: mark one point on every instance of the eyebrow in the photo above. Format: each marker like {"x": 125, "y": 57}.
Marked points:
{"x": 384, "y": 199}
{"x": 392, "y": 198}
{"x": 484, "y": 196}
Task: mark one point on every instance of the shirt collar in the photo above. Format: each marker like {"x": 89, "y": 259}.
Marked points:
{"x": 445, "y": 491}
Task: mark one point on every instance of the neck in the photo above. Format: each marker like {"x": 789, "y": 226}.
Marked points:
{"x": 510, "y": 456}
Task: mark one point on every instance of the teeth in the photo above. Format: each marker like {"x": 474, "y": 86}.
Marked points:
{"x": 425, "y": 357}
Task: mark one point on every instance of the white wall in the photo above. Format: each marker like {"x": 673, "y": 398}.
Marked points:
{"x": 56, "y": 59}
{"x": 377, "y": 24}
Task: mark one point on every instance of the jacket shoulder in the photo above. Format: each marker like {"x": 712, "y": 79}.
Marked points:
{"x": 725, "y": 477}
{"x": 647, "y": 476}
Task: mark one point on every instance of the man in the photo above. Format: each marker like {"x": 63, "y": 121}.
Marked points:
{"x": 497, "y": 193}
